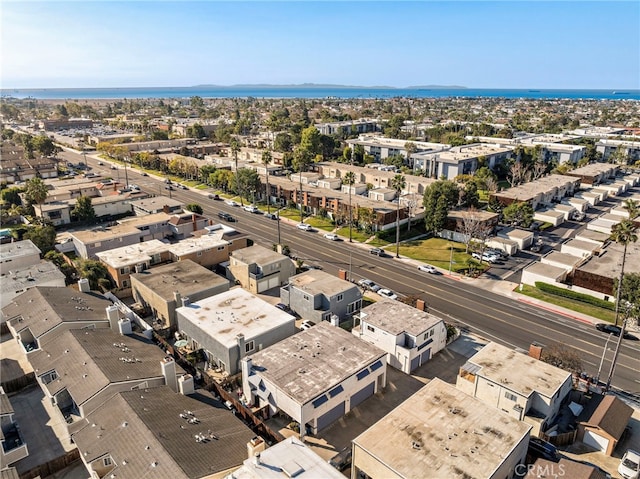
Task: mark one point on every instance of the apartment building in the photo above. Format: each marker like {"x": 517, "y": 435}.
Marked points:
{"x": 122, "y": 262}
{"x": 258, "y": 269}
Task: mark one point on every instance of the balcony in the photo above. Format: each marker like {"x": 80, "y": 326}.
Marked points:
{"x": 13, "y": 445}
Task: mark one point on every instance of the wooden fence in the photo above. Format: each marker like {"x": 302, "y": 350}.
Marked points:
{"x": 52, "y": 466}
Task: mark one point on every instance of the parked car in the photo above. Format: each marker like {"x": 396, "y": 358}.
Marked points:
{"x": 387, "y": 293}
{"x": 378, "y": 251}
{"x": 169, "y": 187}
{"x": 629, "y": 467}
{"x": 167, "y": 181}
{"x": 252, "y": 209}
{"x": 331, "y": 236}
{"x": 226, "y": 216}
{"x": 539, "y": 448}
{"x": 342, "y": 460}
{"x": 489, "y": 258}
{"x": 304, "y": 227}
{"x": 231, "y": 203}
{"x": 284, "y": 307}
{"x": 214, "y": 197}
{"x": 615, "y": 330}
{"x": 427, "y": 268}
{"x": 368, "y": 284}
{"x": 309, "y": 267}
{"x": 306, "y": 324}
{"x": 183, "y": 187}
{"x": 497, "y": 252}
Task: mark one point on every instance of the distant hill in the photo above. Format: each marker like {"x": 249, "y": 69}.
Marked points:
{"x": 322, "y": 85}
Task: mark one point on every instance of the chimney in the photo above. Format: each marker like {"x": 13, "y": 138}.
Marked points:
{"x": 177, "y": 299}
{"x": 535, "y": 351}
{"x": 113, "y": 316}
{"x": 185, "y": 384}
{"x": 420, "y": 304}
{"x": 241, "y": 347}
{"x": 256, "y": 459}
{"x": 165, "y": 209}
{"x": 185, "y": 301}
{"x": 195, "y": 222}
{"x": 342, "y": 274}
{"x": 246, "y": 365}
{"x": 169, "y": 372}
{"x": 255, "y": 446}
{"x": 124, "y": 326}
{"x": 335, "y": 320}
{"x": 83, "y": 285}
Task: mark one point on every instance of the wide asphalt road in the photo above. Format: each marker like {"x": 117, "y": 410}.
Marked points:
{"x": 493, "y": 316}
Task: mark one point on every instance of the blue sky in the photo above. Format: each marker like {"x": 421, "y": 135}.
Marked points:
{"x": 502, "y": 44}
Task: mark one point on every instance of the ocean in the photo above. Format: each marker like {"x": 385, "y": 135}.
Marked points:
{"x": 317, "y": 92}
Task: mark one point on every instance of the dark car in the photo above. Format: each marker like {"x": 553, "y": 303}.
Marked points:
{"x": 226, "y": 216}
{"x": 272, "y": 216}
{"x": 283, "y": 307}
{"x": 342, "y": 460}
{"x": 378, "y": 252}
{"x": 169, "y": 187}
{"x": 215, "y": 197}
{"x": 543, "y": 449}
{"x": 615, "y": 330}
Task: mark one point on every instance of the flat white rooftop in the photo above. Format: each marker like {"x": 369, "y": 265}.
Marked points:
{"x": 193, "y": 245}
{"x": 17, "y": 249}
{"x": 134, "y": 254}
{"x": 445, "y": 432}
{"x": 236, "y": 311}
{"x": 518, "y": 371}
{"x": 384, "y": 315}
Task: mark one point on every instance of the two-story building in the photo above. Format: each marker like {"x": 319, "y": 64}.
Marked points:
{"x": 409, "y": 336}
{"x": 521, "y": 386}
{"x": 258, "y": 268}
{"x": 230, "y": 325}
{"x": 156, "y": 204}
{"x": 205, "y": 250}
{"x": 320, "y": 296}
{"x": 314, "y": 377}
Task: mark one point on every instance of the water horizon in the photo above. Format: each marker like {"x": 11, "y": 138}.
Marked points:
{"x": 314, "y": 92}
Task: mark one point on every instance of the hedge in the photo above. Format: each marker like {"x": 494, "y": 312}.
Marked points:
{"x": 567, "y": 293}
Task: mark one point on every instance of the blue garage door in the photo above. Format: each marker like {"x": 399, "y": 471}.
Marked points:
{"x": 415, "y": 362}
{"x": 361, "y": 395}
{"x": 424, "y": 357}
{"x": 329, "y": 417}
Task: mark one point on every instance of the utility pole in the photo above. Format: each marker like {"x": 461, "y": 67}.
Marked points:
{"x": 450, "y": 258}
{"x": 614, "y": 360}
{"x": 604, "y": 351}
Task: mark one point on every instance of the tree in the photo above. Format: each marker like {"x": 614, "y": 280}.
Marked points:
{"x": 310, "y": 141}
{"x": 517, "y": 173}
{"x": 435, "y": 219}
{"x": 266, "y": 160}
{"x": 234, "y": 145}
{"x": 470, "y": 196}
{"x": 95, "y": 272}
{"x": 472, "y": 227}
{"x": 247, "y": 181}
{"x": 398, "y": 183}
{"x": 410, "y": 148}
{"x": 302, "y": 158}
{"x": 623, "y": 233}
{"x": 43, "y": 145}
{"x": 630, "y": 294}
{"x": 194, "y": 208}
{"x": 562, "y": 356}
{"x": 349, "y": 179}
{"x": 519, "y": 213}
{"x": 11, "y": 196}
{"x": 84, "y": 210}
{"x": 36, "y": 191}
{"x": 347, "y": 154}
{"x": 283, "y": 143}
{"x": 58, "y": 259}
{"x": 44, "y": 237}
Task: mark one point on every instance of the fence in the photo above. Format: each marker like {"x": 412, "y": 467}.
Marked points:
{"x": 53, "y": 466}
{"x": 19, "y": 383}
{"x": 560, "y": 439}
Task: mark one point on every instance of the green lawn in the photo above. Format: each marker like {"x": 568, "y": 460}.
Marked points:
{"x": 290, "y": 213}
{"x": 320, "y": 223}
{"x": 359, "y": 236}
{"x": 572, "y": 304}
{"x": 437, "y": 252}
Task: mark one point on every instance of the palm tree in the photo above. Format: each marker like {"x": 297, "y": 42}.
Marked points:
{"x": 266, "y": 159}
{"x": 398, "y": 183}
{"x": 623, "y": 233}
{"x": 349, "y": 179}
{"x": 632, "y": 207}
{"x": 235, "y": 148}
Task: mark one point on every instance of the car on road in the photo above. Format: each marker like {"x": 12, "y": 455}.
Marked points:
{"x": 272, "y": 216}
{"x": 226, "y": 216}
{"x": 169, "y": 187}
{"x": 100, "y": 163}
{"x": 167, "y": 181}
{"x": 231, "y": 203}
{"x": 306, "y": 324}
{"x": 252, "y": 209}
{"x": 539, "y": 448}
{"x": 113, "y": 167}
{"x": 427, "y": 268}
{"x": 378, "y": 251}
{"x": 183, "y": 187}
{"x": 615, "y": 330}
{"x": 489, "y": 258}
{"x": 215, "y": 197}
{"x": 304, "y": 227}
{"x": 331, "y": 236}
{"x": 144, "y": 173}
{"x": 629, "y": 467}
{"x": 387, "y": 293}
{"x": 368, "y": 284}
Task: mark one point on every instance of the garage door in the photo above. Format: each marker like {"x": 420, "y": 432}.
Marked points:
{"x": 272, "y": 282}
{"x": 361, "y": 395}
{"x": 331, "y": 416}
{"x": 594, "y": 440}
{"x": 415, "y": 362}
{"x": 424, "y": 357}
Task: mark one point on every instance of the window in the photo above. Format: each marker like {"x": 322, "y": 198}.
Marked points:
{"x": 220, "y": 248}
{"x": 124, "y": 270}
{"x": 335, "y": 391}
{"x": 355, "y": 306}
{"x": 431, "y": 333}
{"x": 376, "y": 365}
{"x": 320, "y": 401}
{"x": 248, "y": 347}
{"x": 306, "y": 297}
{"x": 362, "y": 374}
{"x": 199, "y": 253}
{"x": 339, "y": 297}
{"x": 125, "y": 283}
{"x": 106, "y": 461}
{"x": 326, "y": 316}
{"x": 511, "y": 397}
{"x": 371, "y": 329}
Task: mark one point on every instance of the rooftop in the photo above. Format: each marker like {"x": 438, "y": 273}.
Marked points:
{"x": 258, "y": 254}
{"x": 30, "y": 276}
{"x": 192, "y": 245}
{"x": 17, "y": 249}
{"x": 124, "y": 228}
{"x": 316, "y": 281}
{"x": 289, "y": 458}
{"x": 134, "y": 254}
{"x": 469, "y": 152}
{"x": 156, "y": 203}
{"x": 313, "y": 361}
{"x": 236, "y": 311}
{"x": 593, "y": 169}
{"x": 384, "y": 314}
{"x": 147, "y": 434}
{"x": 43, "y": 308}
{"x": 186, "y": 276}
{"x": 443, "y": 431}
{"x": 608, "y": 263}
{"x": 519, "y": 372}
{"x": 528, "y": 191}
{"x": 87, "y": 361}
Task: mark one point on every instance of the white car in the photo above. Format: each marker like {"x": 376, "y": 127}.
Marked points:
{"x": 304, "y": 227}
{"x": 331, "y": 236}
{"x": 368, "y": 284}
{"x": 629, "y": 467}
{"x": 231, "y": 203}
{"x": 387, "y": 293}
{"x": 489, "y": 258}
{"x": 427, "y": 268}
{"x": 252, "y": 209}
